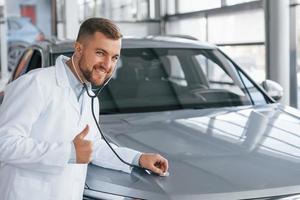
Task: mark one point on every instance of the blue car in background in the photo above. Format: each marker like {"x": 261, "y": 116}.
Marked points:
{"x": 20, "y": 34}
{"x": 20, "y": 29}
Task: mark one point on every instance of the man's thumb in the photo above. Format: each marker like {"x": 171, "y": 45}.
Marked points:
{"x": 84, "y": 132}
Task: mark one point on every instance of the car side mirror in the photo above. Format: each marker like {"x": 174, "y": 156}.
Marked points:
{"x": 273, "y": 89}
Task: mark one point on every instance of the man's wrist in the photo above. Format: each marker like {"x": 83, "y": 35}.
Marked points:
{"x": 136, "y": 159}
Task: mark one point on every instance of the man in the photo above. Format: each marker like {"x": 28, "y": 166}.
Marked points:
{"x": 47, "y": 133}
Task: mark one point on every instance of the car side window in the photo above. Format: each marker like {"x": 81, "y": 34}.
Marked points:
{"x": 13, "y": 25}
{"x": 31, "y": 59}
{"x": 35, "y": 62}
{"x": 23, "y": 63}
{"x": 257, "y": 97}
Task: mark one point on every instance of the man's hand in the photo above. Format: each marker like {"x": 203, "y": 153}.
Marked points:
{"x": 154, "y": 162}
{"x": 84, "y": 148}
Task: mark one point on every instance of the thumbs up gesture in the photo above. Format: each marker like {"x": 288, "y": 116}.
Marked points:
{"x": 84, "y": 148}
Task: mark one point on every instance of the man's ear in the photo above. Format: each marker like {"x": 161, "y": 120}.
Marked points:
{"x": 77, "y": 49}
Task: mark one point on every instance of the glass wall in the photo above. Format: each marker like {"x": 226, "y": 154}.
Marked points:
{"x": 242, "y": 39}
{"x": 237, "y": 27}
{"x": 170, "y": 7}
{"x": 240, "y": 34}
{"x": 233, "y": 2}
{"x": 186, "y": 6}
{"x": 118, "y": 10}
{"x": 187, "y": 27}
{"x": 298, "y": 50}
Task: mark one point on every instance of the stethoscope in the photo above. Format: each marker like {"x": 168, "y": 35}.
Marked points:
{"x": 93, "y": 113}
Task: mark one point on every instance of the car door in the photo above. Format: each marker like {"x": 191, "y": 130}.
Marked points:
{"x": 31, "y": 59}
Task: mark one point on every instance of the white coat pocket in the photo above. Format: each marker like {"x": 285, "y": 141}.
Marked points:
{"x": 28, "y": 188}
{"x": 78, "y": 173}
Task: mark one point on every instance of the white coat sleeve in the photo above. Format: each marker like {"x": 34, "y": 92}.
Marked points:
{"x": 22, "y": 105}
{"x": 103, "y": 155}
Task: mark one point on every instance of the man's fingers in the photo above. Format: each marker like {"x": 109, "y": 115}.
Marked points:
{"x": 83, "y": 147}
{"x": 154, "y": 162}
{"x": 165, "y": 165}
{"x": 87, "y": 145}
{"x": 156, "y": 169}
{"x": 84, "y": 132}
{"x": 162, "y": 163}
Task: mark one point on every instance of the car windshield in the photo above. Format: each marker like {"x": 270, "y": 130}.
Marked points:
{"x": 158, "y": 79}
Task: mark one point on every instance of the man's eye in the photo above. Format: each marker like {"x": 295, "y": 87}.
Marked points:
{"x": 115, "y": 58}
{"x": 100, "y": 53}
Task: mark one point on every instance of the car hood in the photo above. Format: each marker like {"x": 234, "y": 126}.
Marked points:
{"x": 222, "y": 153}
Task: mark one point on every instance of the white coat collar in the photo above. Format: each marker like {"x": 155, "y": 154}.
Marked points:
{"x": 61, "y": 75}
{"x": 63, "y": 81}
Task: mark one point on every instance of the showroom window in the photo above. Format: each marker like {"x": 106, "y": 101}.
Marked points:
{"x": 185, "y": 6}
{"x": 119, "y": 10}
{"x": 233, "y": 2}
{"x": 187, "y": 27}
{"x": 250, "y": 58}
{"x": 243, "y": 39}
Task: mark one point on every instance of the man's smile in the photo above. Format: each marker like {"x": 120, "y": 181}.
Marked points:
{"x": 100, "y": 70}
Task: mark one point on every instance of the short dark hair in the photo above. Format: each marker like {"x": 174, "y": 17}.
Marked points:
{"x": 92, "y": 25}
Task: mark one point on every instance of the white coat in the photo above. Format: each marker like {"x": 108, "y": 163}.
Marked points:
{"x": 39, "y": 118}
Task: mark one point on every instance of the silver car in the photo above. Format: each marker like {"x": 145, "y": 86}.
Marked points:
{"x": 224, "y": 136}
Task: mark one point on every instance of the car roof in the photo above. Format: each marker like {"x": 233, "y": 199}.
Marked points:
{"x": 56, "y": 46}
{"x": 171, "y": 41}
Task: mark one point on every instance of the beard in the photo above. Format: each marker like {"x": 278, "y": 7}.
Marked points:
{"x": 88, "y": 75}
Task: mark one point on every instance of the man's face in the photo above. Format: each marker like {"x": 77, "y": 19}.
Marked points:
{"x": 98, "y": 57}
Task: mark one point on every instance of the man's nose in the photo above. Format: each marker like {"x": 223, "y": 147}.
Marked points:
{"x": 106, "y": 63}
